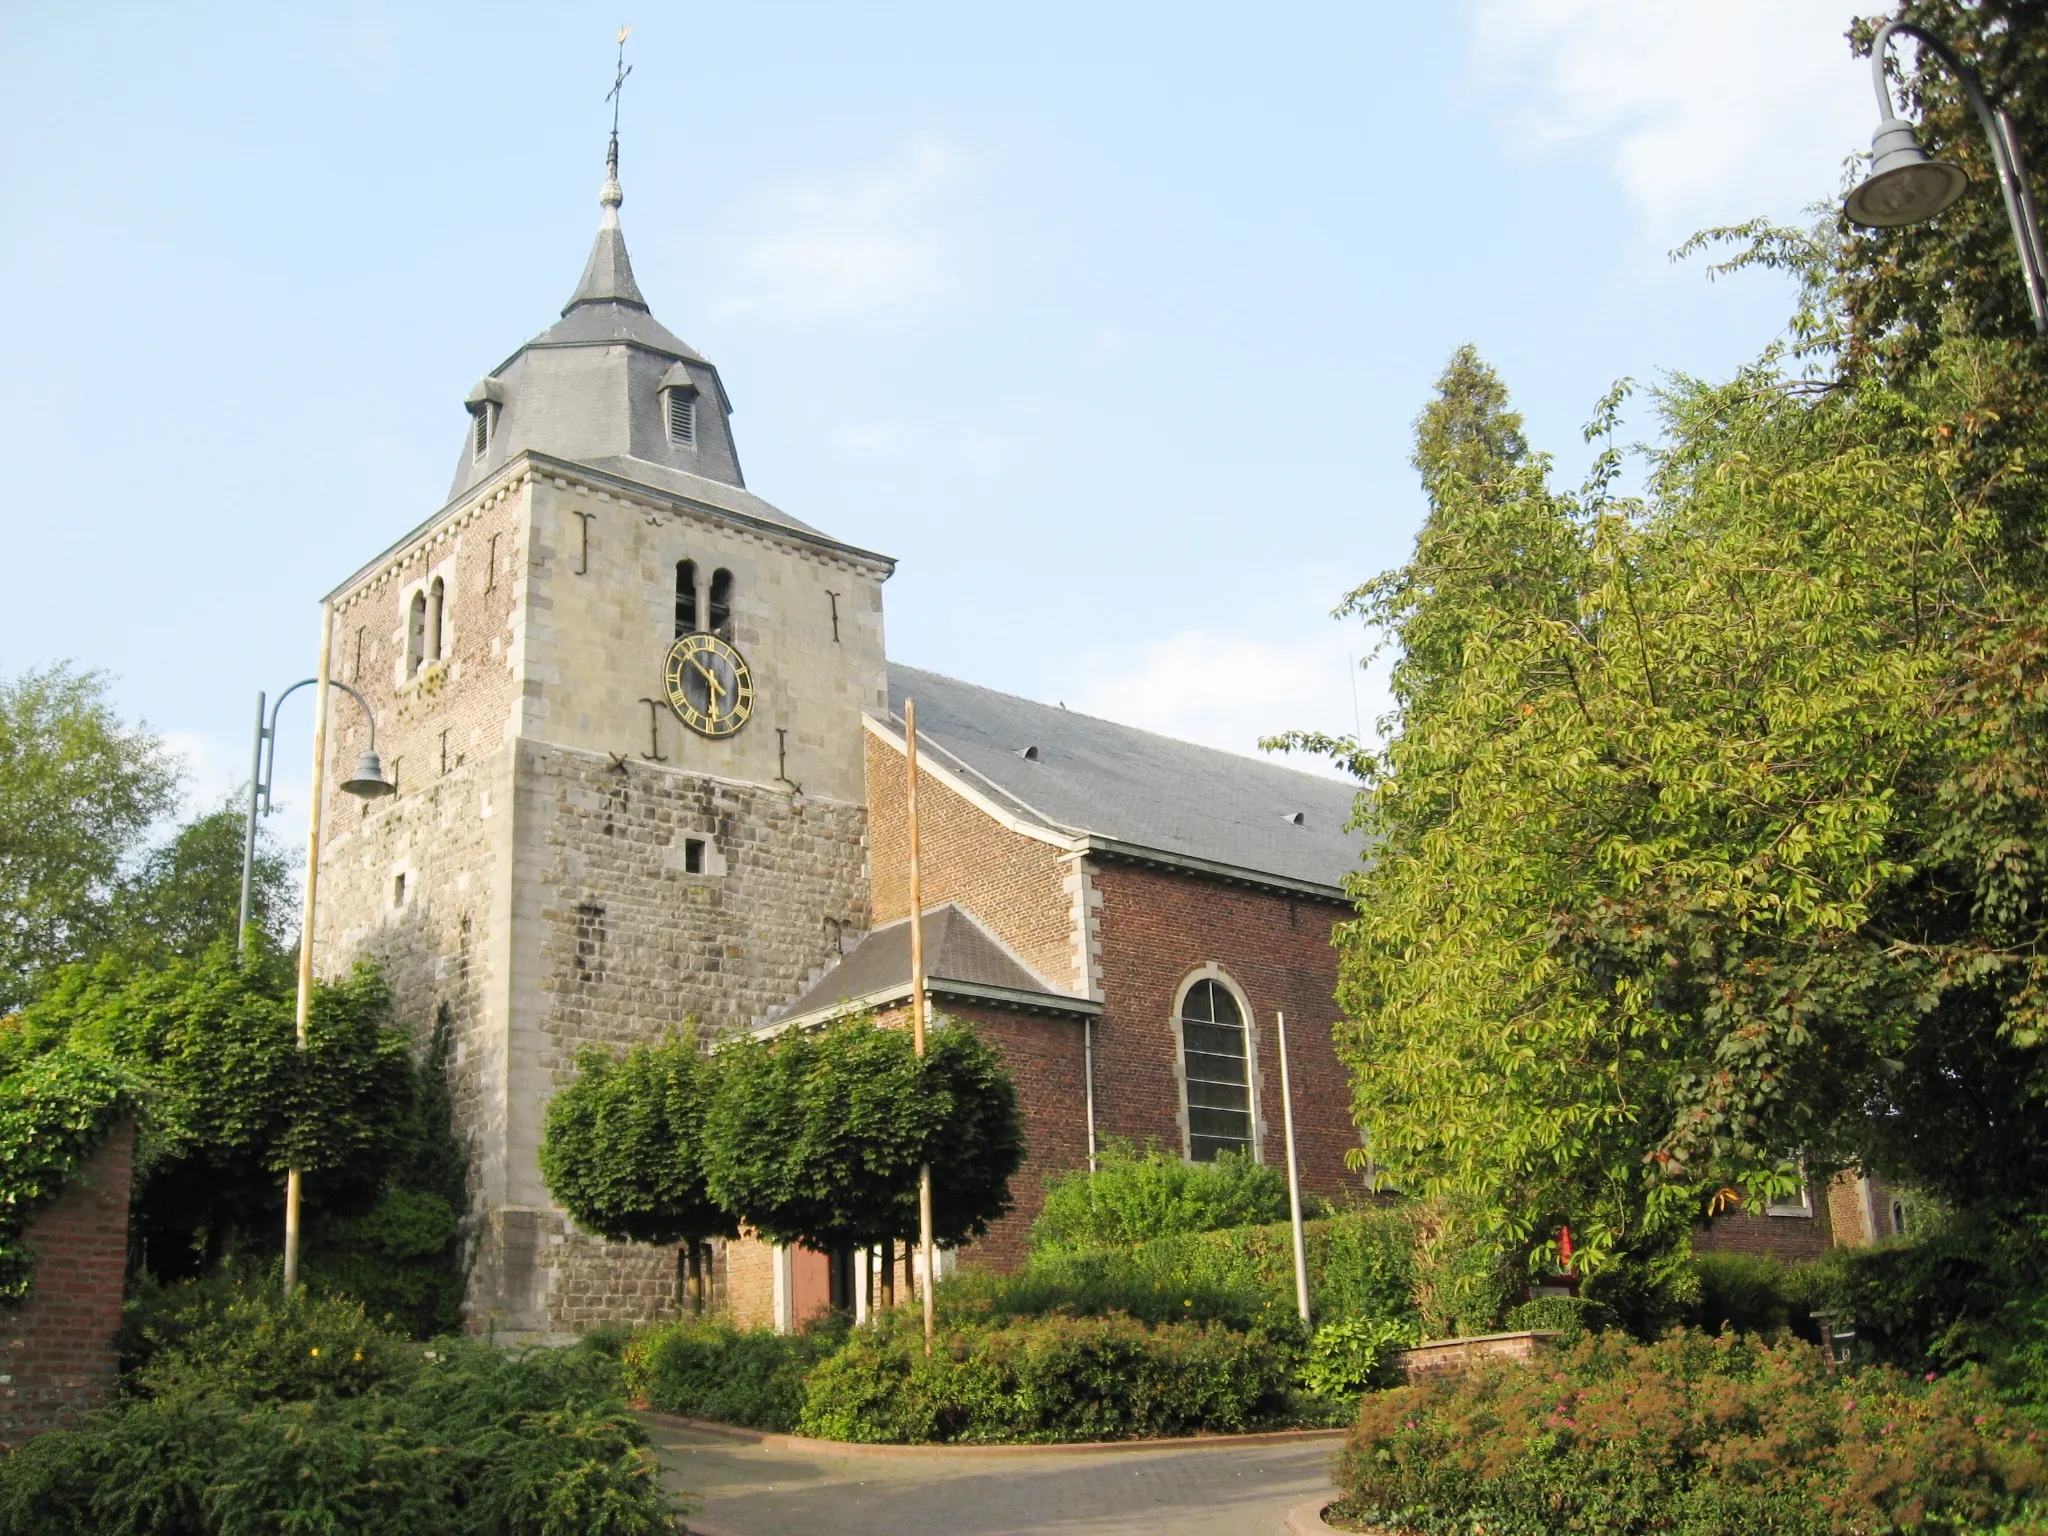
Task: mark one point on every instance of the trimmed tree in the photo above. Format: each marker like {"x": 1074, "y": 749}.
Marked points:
{"x": 623, "y": 1150}
{"x": 817, "y": 1138}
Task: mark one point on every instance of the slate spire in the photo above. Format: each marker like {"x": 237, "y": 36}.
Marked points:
{"x": 608, "y": 275}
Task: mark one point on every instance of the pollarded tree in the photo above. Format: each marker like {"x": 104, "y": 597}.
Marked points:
{"x": 816, "y": 1138}
{"x": 623, "y": 1149}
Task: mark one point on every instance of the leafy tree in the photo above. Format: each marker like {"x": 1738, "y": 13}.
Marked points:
{"x": 79, "y": 789}
{"x": 1668, "y": 886}
{"x": 186, "y": 894}
{"x": 623, "y": 1148}
{"x": 817, "y": 1137}
{"x": 403, "y": 1257}
{"x": 229, "y": 1101}
{"x": 1131, "y": 1197}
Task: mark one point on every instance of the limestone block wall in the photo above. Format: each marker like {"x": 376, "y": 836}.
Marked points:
{"x": 618, "y": 942}
{"x": 603, "y": 614}
{"x": 420, "y": 881}
{"x": 57, "y": 1354}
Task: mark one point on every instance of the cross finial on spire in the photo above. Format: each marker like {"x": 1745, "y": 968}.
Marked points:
{"x": 613, "y": 195}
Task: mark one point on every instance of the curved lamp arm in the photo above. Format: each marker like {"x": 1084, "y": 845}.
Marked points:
{"x": 270, "y": 767}
{"x": 2005, "y": 154}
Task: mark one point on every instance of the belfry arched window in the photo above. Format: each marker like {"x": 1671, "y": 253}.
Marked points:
{"x": 686, "y": 598}
{"x": 416, "y": 633}
{"x": 1216, "y": 1067}
{"x": 436, "y": 613}
{"x": 720, "y": 619}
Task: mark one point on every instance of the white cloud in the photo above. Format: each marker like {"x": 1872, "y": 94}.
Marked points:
{"x": 1222, "y": 690}
{"x": 1705, "y": 111}
{"x": 872, "y": 243}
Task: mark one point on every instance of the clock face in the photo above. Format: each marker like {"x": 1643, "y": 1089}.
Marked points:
{"x": 709, "y": 685}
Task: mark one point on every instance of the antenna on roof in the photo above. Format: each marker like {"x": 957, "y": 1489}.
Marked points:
{"x": 612, "y": 196}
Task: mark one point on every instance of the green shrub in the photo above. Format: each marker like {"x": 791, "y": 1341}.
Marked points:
{"x": 253, "y": 1414}
{"x": 1958, "y": 1295}
{"x": 706, "y": 1370}
{"x": 1099, "y": 1282}
{"x": 1049, "y": 1379}
{"x": 1748, "y": 1293}
{"x": 1353, "y": 1355}
{"x": 1132, "y": 1197}
{"x": 1692, "y": 1436}
{"x": 1569, "y": 1316}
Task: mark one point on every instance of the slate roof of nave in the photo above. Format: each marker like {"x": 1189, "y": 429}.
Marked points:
{"x": 1132, "y": 789}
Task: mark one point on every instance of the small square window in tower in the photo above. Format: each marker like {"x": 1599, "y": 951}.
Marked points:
{"x": 682, "y": 419}
{"x": 1217, "y": 1067}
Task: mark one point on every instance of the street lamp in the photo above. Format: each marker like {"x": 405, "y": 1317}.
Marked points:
{"x": 1905, "y": 186}
{"x": 368, "y": 783}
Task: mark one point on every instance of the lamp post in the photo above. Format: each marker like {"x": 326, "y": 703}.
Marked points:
{"x": 368, "y": 783}
{"x": 1905, "y": 186}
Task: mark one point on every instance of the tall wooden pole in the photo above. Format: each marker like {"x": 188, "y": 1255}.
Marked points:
{"x": 292, "y": 1179}
{"x": 924, "y": 1173}
{"x": 1293, "y": 1178}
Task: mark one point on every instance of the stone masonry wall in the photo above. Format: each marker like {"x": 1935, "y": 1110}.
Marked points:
{"x": 620, "y": 943}
{"x": 1157, "y": 929}
{"x": 1018, "y": 885}
{"x": 442, "y": 936}
{"x": 57, "y": 1354}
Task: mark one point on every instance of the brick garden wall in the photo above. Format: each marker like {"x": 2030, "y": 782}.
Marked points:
{"x": 57, "y": 1356}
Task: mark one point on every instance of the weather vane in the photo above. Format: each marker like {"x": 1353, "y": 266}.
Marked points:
{"x": 619, "y": 83}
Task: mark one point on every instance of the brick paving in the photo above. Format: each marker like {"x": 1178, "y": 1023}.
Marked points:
{"x": 741, "y": 1488}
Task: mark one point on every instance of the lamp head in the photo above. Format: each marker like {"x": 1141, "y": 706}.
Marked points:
{"x": 1904, "y": 186}
{"x": 369, "y": 782}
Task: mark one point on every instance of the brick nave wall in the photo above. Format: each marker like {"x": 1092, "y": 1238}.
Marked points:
{"x": 1156, "y": 929}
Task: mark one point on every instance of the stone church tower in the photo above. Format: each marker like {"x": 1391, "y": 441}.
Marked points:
{"x": 621, "y": 696}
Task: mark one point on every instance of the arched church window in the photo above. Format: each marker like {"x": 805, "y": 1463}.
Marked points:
{"x": 416, "y": 633}
{"x": 721, "y": 604}
{"x": 686, "y": 598}
{"x": 436, "y": 608}
{"x": 1217, "y": 1068}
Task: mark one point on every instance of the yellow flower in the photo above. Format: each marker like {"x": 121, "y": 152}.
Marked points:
{"x": 359, "y": 1354}
{"x": 316, "y": 1351}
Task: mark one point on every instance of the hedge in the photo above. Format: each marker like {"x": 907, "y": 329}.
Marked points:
{"x": 1049, "y": 1379}
{"x": 1691, "y": 1436}
{"x": 707, "y": 1370}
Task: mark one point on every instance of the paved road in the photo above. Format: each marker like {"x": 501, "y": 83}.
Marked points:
{"x": 737, "y": 1488}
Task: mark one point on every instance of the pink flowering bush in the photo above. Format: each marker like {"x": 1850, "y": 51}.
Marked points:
{"x": 1693, "y": 1436}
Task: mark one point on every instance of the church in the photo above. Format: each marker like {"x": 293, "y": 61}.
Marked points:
{"x": 650, "y": 762}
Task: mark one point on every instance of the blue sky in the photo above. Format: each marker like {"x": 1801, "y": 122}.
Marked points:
{"x": 1108, "y": 321}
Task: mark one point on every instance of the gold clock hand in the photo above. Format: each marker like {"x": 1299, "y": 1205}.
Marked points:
{"x": 717, "y": 688}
